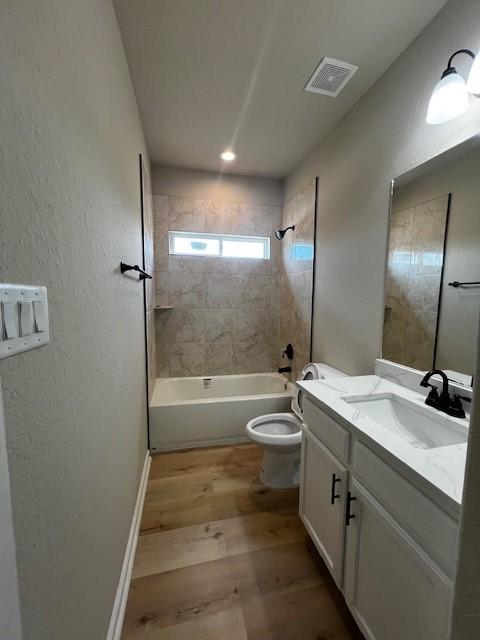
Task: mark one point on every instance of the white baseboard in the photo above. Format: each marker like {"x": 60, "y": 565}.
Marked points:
{"x": 118, "y": 611}
{"x": 198, "y": 444}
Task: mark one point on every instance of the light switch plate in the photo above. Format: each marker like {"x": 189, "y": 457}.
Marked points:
{"x": 15, "y": 296}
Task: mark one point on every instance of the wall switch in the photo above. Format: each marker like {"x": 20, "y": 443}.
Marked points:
{"x": 39, "y": 316}
{"x": 10, "y": 320}
{"x": 24, "y": 318}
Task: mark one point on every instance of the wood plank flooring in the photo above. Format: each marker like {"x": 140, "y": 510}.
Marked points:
{"x": 222, "y": 557}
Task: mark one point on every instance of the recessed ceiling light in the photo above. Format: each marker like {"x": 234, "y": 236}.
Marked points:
{"x": 228, "y": 156}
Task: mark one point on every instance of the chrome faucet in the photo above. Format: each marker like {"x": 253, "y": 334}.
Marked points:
{"x": 443, "y": 402}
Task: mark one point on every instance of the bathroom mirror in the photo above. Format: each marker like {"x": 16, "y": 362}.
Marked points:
{"x": 432, "y": 297}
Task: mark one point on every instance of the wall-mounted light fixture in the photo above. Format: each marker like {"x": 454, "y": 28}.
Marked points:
{"x": 450, "y": 97}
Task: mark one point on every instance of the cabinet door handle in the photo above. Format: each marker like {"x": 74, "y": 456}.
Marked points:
{"x": 334, "y": 495}
{"x": 349, "y": 516}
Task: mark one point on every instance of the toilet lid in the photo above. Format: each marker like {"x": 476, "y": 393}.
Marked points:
{"x": 312, "y": 371}
{"x": 318, "y": 371}
{"x": 277, "y": 427}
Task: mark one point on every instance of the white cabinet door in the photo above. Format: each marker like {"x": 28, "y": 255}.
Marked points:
{"x": 323, "y": 489}
{"x": 393, "y": 589}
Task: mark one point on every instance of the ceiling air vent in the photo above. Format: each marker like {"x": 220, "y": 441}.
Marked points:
{"x": 330, "y": 77}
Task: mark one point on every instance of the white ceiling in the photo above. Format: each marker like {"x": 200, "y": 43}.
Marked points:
{"x": 213, "y": 73}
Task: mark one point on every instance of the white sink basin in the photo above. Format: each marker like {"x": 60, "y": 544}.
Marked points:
{"x": 415, "y": 424}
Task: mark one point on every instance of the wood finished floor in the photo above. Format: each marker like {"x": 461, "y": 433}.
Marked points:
{"x": 221, "y": 557}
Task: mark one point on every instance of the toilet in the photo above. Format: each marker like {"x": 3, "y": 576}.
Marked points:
{"x": 280, "y": 434}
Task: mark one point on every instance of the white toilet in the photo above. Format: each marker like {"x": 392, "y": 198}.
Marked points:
{"x": 280, "y": 434}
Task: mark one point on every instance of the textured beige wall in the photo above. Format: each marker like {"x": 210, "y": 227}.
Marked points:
{"x": 226, "y": 311}
{"x": 383, "y": 136}
{"x": 75, "y": 409}
{"x": 223, "y": 187}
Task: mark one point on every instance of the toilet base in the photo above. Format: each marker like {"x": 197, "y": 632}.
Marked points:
{"x": 280, "y": 470}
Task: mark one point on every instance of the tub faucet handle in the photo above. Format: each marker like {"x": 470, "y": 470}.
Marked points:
{"x": 288, "y": 351}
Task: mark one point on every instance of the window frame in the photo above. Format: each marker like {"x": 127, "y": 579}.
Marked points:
{"x": 221, "y": 237}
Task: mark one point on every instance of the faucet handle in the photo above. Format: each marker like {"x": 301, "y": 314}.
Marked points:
{"x": 433, "y": 399}
{"x": 288, "y": 351}
{"x": 456, "y": 409}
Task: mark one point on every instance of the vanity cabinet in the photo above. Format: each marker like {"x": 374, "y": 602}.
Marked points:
{"x": 392, "y": 587}
{"x": 389, "y": 548}
{"x": 322, "y": 502}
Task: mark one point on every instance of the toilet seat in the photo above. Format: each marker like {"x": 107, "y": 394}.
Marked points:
{"x": 280, "y": 429}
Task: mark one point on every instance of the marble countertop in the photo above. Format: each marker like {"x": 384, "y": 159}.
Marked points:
{"x": 438, "y": 472}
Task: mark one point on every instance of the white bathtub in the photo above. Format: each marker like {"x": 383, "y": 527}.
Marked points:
{"x": 202, "y": 411}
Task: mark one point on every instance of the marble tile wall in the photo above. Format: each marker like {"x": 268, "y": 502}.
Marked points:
{"x": 225, "y": 316}
{"x": 414, "y": 269}
{"x": 295, "y": 301}
{"x": 148, "y": 239}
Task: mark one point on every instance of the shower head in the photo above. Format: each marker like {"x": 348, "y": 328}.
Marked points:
{"x": 279, "y": 233}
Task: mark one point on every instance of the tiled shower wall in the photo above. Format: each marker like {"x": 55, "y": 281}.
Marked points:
{"x": 414, "y": 269}
{"x": 225, "y": 317}
{"x": 297, "y": 277}
{"x": 150, "y": 292}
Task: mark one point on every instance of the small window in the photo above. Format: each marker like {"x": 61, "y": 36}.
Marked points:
{"x": 184, "y": 243}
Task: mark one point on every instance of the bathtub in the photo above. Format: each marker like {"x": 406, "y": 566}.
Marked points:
{"x": 203, "y": 411}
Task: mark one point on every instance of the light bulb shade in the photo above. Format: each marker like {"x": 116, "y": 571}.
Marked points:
{"x": 473, "y": 82}
{"x": 449, "y": 99}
